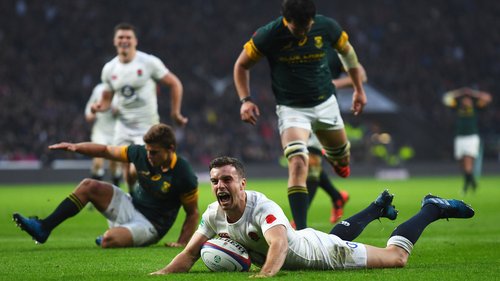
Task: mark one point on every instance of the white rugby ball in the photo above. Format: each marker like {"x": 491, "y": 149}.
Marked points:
{"x": 224, "y": 254}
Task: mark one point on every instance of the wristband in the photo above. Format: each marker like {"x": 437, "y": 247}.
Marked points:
{"x": 245, "y": 99}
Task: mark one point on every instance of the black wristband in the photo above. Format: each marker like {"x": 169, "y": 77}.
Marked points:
{"x": 245, "y": 99}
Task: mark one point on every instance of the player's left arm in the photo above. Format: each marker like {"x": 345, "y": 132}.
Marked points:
{"x": 483, "y": 98}
{"x": 190, "y": 206}
{"x": 346, "y": 81}
{"x": 176, "y": 91}
{"x": 185, "y": 259}
{"x": 349, "y": 60}
{"x": 277, "y": 240}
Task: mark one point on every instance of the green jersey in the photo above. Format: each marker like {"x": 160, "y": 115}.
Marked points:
{"x": 300, "y": 73}
{"x": 159, "y": 195}
{"x": 467, "y": 118}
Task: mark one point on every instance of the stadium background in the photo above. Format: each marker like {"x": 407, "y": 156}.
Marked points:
{"x": 52, "y": 52}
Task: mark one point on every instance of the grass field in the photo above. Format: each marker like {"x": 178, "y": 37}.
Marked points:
{"x": 448, "y": 250}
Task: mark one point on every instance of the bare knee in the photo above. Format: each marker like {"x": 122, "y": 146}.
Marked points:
{"x": 95, "y": 191}
{"x": 117, "y": 238}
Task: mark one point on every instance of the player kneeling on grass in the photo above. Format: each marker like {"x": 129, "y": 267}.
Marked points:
{"x": 166, "y": 182}
{"x": 260, "y": 225}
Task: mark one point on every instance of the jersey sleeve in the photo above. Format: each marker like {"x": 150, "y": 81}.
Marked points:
{"x": 337, "y": 36}
{"x": 106, "y": 77}
{"x": 207, "y": 223}
{"x": 132, "y": 152}
{"x": 269, "y": 214}
{"x": 258, "y": 45}
{"x": 158, "y": 68}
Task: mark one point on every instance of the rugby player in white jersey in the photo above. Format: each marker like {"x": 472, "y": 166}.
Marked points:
{"x": 103, "y": 126}
{"x": 260, "y": 225}
{"x": 132, "y": 76}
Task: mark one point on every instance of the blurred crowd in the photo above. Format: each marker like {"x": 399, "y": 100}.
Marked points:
{"x": 52, "y": 53}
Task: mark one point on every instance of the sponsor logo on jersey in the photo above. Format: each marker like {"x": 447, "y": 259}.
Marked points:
{"x": 270, "y": 219}
{"x": 113, "y": 77}
{"x": 223, "y": 235}
{"x": 156, "y": 177}
{"x": 139, "y": 72}
{"x": 351, "y": 244}
{"x": 128, "y": 91}
{"x": 144, "y": 173}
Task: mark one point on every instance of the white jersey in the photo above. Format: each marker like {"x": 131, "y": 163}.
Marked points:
{"x": 104, "y": 123}
{"x": 134, "y": 86}
{"x": 307, "y": 248}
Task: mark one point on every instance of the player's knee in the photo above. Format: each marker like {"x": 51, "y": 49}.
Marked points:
{"x": 334, "y": 154}
{"x": 90, "y": 187}
{"x": 296, "y": 150}
{"x": 88, "y": 184}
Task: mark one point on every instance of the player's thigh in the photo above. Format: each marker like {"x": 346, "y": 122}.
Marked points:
{"x": 332, "y": 138}
{"x": 121, "y": 213}
{"x": 292, "y": 117}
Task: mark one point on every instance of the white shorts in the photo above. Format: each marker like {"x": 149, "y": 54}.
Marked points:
{"x": 122, "y": 213}
{"x": 466, "y": 146}
{"x": 325, "y": 116}
{"x": 318, "y": 250}
{"x": 102, "y": 137}
{"x": 126, "y": 136}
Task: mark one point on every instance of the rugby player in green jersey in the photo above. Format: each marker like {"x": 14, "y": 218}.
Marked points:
{"x": 166, "y": 182}
{"x": 295, "y": 46}
{"x": 467, "y": 102}
{"x": 316, "y": 175}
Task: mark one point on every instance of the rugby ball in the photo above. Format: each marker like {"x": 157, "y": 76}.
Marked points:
{"x": 224, "y": 254}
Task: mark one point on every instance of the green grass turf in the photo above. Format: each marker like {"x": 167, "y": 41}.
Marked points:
{"x": 448, "y": 250}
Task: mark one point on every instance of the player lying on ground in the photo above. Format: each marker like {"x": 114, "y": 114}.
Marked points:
{"x": 260, "y": 225}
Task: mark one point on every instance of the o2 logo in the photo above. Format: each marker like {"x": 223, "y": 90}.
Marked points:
{"x": 128, "y": 91}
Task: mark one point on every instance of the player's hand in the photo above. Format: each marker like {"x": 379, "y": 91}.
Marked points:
{"x": 249, "y": 112}
{"x": 159, "y": 272}
{"x": 95, "y": 107}
{"x": 63, "y": 146}
{"x": 259, "y": 275}
{"x": 174, "y": 245}
{"x": 179, "y": 119}
{"x": 358, "y": 102}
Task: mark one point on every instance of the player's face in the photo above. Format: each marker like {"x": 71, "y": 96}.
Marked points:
{"x": 228, "y": 188}
{"x": 125, "y": 41}
{"x": 158, "y": 155}
{"x": 299, "y": 31}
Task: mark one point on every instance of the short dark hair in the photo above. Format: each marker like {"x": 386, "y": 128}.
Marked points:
{"x": 125, "y": 26}
{"x": 300, "y": 12}
{"x": 224, "y": 161}
{"x": 161, "y": 134}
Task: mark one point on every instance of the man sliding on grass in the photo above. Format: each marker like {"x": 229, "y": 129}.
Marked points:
{"x": 260, "y": 225}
